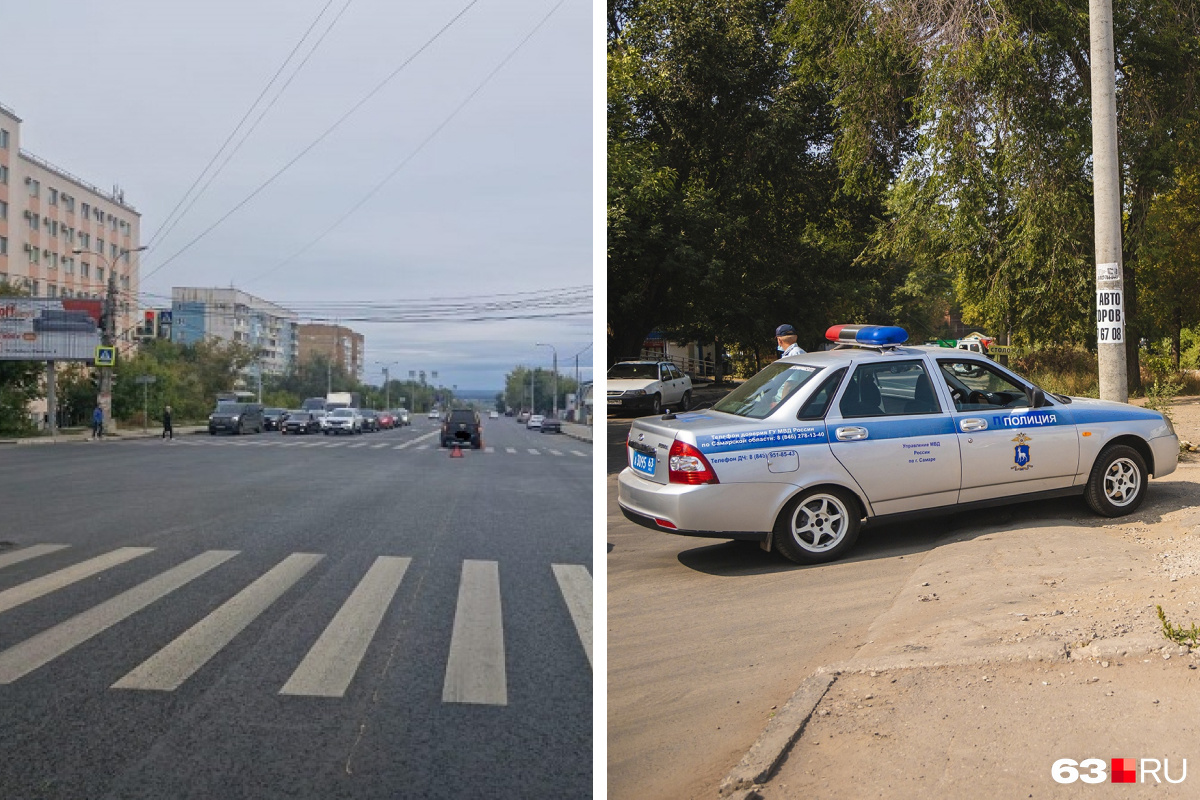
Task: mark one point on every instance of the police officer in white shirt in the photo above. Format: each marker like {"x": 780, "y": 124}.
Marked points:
{"x": 785, "y": 335}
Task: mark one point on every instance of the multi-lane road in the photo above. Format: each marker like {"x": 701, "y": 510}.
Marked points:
{"x": 303, "y": 617}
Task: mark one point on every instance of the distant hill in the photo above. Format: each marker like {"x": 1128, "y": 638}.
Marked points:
{"x": 477, "y": 394}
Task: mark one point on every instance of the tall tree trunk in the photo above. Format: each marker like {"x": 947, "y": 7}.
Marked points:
{"x": 1176, "y": 328}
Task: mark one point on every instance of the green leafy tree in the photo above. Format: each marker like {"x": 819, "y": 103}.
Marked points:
{"x": 20, "y": 382}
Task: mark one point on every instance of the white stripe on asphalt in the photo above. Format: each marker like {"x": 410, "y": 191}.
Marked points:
{"x": 533, "y": 452}
{"x": 332, "y": 662}
{"x": 26, "y": 553}
{"x": 475, "y": 667}
{"x": 575, "y": 583}
{"x": 577, "y": 453}
{"x": 489, "y": 449}
{"x": 423, "y": 447}
{"x": 420, "y": 438}
{"x": 556, "y": 452}
{"x": 23, "y": 658}
{"x": 377, "y": 446}
{"x": 510, "y": 449}
{"x": 31, "y": 590}
{"x": 167, "y": 669}
{"x": 360, "y": 444}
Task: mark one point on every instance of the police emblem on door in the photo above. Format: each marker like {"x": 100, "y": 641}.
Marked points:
{"x": 1021, "y": 452}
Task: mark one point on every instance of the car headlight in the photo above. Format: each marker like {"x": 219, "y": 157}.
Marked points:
{"x": 210, "y": 417}
{"x": 1170, "y": 425}
{"x": 234, "y": 418}
{"x": 637, "y": 392}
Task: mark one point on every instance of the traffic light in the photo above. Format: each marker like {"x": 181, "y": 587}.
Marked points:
{"x": 149, "y": 329}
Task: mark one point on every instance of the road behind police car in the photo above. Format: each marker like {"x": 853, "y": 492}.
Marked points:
{"x": 800, "y": 455}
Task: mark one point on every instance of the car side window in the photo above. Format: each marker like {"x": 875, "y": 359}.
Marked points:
{"x": 891, "y": 388}
{"x": 977, "y": 386}
{"x": 816, "y": 406}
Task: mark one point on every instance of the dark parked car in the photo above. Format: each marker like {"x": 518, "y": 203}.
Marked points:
{"x": 551, "y": 425}
{"x": 300, "y": 421}
{"x": 370, "y": 419}
{"x": 273, "y": 418}
{"x": 462, "y": 426}
{"x": 237, "y": 418}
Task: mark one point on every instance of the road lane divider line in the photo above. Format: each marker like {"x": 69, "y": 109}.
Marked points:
{"x": 23, "y": 658}
{"x": 575, "y": 583}
{"x": 510, "y": 450}
{"x": 577, "y": 453}
{"x": 533, "y": 452}
{"x": 332, "y": 662}
{"x": 26, "y": 553}
{"x": 420, "y": 438}
{"x": 167, "y": 669}
{"x": 475, "y": 667}
{"x": 32, "y": 590}
{"x": 378, "y": 446}
{"x": 556, "y": 452}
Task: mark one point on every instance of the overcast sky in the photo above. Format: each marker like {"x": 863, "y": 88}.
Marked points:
{"x": 492, "y": 197}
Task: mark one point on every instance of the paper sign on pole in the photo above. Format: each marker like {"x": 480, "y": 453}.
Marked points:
{"x": 1110, "y": 316}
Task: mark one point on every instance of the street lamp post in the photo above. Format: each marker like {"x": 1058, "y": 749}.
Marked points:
{"x": 555, "y": 349}
{"x": 387, "y": 389}
{"x": 109, "y": 335}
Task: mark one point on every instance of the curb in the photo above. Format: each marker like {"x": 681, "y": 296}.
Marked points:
{"x": 771, "y": 748}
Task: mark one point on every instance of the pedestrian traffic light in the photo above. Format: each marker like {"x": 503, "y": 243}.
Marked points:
{"x": 150, "y": 325}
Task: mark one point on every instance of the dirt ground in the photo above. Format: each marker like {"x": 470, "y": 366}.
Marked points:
{"x": 1029, "y": 641}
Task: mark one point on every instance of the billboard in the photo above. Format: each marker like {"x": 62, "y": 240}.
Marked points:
{"x": 49, "y": 329}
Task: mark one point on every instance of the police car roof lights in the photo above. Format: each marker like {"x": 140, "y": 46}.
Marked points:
{"x": 867, "y": 335}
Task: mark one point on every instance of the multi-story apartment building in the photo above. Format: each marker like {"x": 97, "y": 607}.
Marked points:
{"x": 341, "y": 345}
{"x": 235, "y": 316}
{"x": 46, "y": 213}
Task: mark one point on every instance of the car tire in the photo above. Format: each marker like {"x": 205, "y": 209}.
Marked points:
{"x": 656, "y": 404}
{"x": 1118, "y": 481}
{"x": 819, "y": 526}
{"x": 685, "y": 401}
{"x": 238, "y": 430}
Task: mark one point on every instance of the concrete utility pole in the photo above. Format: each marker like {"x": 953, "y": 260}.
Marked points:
{"x": 555, "y": 349}
{"x": 109, "y": 334}
{"x": 1110, "y": 282}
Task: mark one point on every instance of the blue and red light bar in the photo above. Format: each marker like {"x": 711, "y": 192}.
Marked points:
{"x": 869, "y": 335}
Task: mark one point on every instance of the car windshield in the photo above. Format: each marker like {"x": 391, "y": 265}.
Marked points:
{"x": 228, "y": 407}
{"x": 297, "y": 415}
{"x": 758, "y": 397}
{"x": 462, "y": 416}
{"x": 273, "y": 411}
{"x": 643, "y": 371}
{"x": 342, "y": 412}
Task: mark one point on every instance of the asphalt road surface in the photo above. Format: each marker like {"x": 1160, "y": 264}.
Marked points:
{"x": 304, "y": 617}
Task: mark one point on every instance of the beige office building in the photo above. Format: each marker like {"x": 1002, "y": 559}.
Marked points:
{"x": 46, "y": 213}
{"x": 336, "y": 342}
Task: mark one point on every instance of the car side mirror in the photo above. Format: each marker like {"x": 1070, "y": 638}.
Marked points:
{"x": 1035, "y": 396}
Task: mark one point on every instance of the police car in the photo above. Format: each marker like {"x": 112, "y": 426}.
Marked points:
{"x": 800, "y": 456}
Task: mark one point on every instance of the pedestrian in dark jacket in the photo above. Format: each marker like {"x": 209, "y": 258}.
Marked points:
{"x": 98, "y": 423}
{"x": 168, "y": 431}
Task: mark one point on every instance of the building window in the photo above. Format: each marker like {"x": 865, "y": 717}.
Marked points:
{"x": 36, "y": 288}
{"x": 85, "y": 241}
{"x": 3, "y": 139}
{"x": 112, "y": 251}
{"x": 53, "y": 290}
{"x": 3, "y": 174}
{"x": 98, "y": 214}
{"x": 52, "y": 260}
{"x": 53, "y": 225}
{"x": 69, "y": 203}
{"x": 34, "y": 221}
{"x": 35, "y": 188}
{"x": 3, "y": 248}
{"x": 69, "y": 265}
{"x": 53, "y": 196}
{"x": 100, "y": 274}
{"x": 86, "y": 209}
{"x": 84, "y": 269}
{"x": 99, "y": 245}
{"x": 3, "y": 210}
{"x": 35, "y": 255}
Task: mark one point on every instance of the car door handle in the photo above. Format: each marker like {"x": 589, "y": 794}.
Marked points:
{"x": 850, "y": 433}
{"x": 972, "y": 424}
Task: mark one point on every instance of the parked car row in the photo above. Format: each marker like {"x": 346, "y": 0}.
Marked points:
{"x": 238, "y": 418}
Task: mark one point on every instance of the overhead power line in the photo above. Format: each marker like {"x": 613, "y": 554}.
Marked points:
{"x": 172, "y": 220}
{"x": 379, "y": 87}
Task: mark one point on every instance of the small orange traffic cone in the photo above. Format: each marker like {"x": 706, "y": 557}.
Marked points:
{"x": 457, "y": 451}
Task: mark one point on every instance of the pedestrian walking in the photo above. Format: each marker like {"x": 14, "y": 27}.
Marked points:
{"x": 98, "y": 423}
{"x": 168, "y": 431}
{"x": 785, "y": 337}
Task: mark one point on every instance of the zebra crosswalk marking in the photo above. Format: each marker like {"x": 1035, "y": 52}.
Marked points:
{"x": 475, "y": 666}
{"x": 575, "y": 583}
{"x": 510, "y": 450}
{"x": 332, "y": 662}
{"x": 556, "y": 452}
{"x": 26, "y": 553}
{"x": 577, "y": 453}
{"x": 167, "y": 669}
{"x": 32, "y": 590}
{"x": 533, "y": 452}
{"x": 23, "y": 658}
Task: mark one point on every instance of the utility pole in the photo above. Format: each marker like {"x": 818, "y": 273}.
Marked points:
{"x": 1110, "y": 282}
{"x": 109, "y": 338}
{"x": 387, "y": 390}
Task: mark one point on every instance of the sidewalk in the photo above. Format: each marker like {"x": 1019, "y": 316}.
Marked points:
{"x": 75, "y": 435}
{"x": 577, "y": 431}
{"x": 1007, "y": 650}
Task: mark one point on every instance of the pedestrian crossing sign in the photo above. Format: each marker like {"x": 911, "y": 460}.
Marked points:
{"x": 106, "y": 355}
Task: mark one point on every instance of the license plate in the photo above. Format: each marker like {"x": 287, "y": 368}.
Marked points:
{"x": 614, "y": 402}
{"x": 641, "y": 462}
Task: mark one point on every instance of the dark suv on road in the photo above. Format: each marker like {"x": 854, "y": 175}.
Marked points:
{"x": 462, "y": 425}
{"x": 236, "y": 418}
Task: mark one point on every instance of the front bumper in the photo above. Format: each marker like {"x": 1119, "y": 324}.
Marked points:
{"x": 636, "y": 402}
{"x": 719, "y": 511}
{"x": 1166, "y": 454}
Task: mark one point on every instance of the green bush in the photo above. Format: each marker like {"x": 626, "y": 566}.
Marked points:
{"x": 1064, "y": 370}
